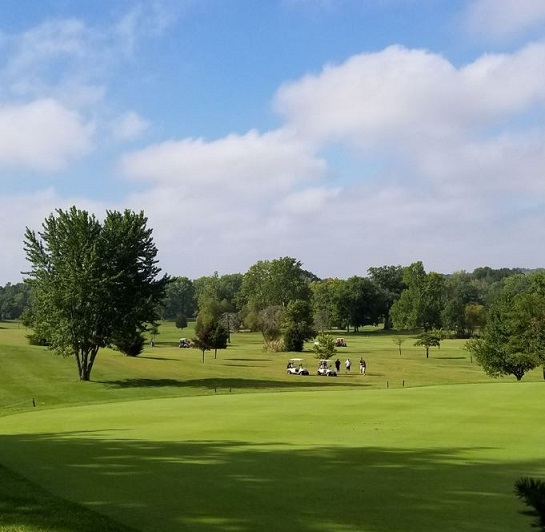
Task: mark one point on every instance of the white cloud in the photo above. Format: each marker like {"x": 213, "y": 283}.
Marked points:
{"x": 382, "y": 98}
{"x": 41, "y": 135}
{"x": 251, "y": 164}
{"x": 504, "y": 18}
{"x": 460, "y": 157}
{"x": 129, "y": 126}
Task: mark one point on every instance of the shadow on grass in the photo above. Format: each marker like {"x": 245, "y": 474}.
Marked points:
{"x": 221, "y": 383}
{"x": 26, "y": 506}
{"x": 217, "y": 485}
{"x": 154, "y": 358}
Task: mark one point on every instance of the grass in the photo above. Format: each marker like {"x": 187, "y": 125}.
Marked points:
{"x": 165, "y": 442}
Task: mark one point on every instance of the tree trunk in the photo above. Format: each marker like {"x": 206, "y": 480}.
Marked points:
{"x": 427, "y": 352}
{"x": 86, "y": 360}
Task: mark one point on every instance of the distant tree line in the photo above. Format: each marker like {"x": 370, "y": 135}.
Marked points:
{"x": 290, "y": 305}
{"x": 404, "y": 298}
{"x": 14, "y": 299}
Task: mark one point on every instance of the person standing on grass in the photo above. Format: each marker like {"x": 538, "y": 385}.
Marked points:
{"x": 363, "y": 366}
{"x": 338, "y": 365}
{"x": 348, "y": 364}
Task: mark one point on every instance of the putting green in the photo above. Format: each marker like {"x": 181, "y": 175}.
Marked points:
{"x": 436, "y": 458}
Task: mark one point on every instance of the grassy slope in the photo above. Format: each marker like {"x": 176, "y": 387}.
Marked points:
{"x": 167, "y": 371}
{"x": 345, "y": 454}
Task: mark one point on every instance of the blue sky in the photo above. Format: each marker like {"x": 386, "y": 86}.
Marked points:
{"x": 344, "y": 133}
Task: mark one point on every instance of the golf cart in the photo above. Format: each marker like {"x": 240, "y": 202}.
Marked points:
{"x": 325, "y": 371}
{"x": 340, "y": 342}
{"x": 295, "y": 367}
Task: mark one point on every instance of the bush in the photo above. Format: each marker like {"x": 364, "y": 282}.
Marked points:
{"x": 36, "y": 339}
{"x": 274, "y": 346}
{"x": 131, "y": 346}
{"x": 293, "y": 340}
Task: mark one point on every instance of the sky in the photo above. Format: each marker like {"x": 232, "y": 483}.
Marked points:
{"x": 343, "y": 133}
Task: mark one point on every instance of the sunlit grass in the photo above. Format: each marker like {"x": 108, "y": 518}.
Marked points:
{"x": 165, "y": 442}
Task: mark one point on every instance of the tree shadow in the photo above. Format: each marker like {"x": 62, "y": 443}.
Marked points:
{"x": 246, "y": 486}
{"x": 224, "y": 383}
{"x": 154, "y": 358}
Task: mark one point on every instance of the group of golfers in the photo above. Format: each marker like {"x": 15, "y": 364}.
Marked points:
{"x": 348, "y": 365}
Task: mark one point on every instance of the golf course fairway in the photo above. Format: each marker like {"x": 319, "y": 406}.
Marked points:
{"x": 439, "y": 458}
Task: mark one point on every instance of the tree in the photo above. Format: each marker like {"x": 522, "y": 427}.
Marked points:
{"x": 325, "y": 303}
{"x": 220, "y": 336}
{"x": 14, "y": 300}
{"x": 207, "y": 323}
{"x": 429, "y": 339}
{"x": 231, "y": 322}
{"x": 390, "y": 280}
{"x": 273, "y": 283}
{"x": 204, "y": 337}
{"x": 92, "y": 284}
{"x": 513, "y": 340}
{"x": 324, "y": 347}
{"x": 181, "y": 321}
{"x": 179, "y": 299}
{"x": 270, "y": 322}
{"x": 130, "y": 345}
{"x": 463, "y": 310}
{"x": 298, "y": 323}
{"x": 398, "y": 340}
{"x": 421, "y": 303}
{"x": 475, "y": 318}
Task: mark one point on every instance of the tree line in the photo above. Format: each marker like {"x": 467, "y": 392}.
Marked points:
{"x": 94, "y": 284}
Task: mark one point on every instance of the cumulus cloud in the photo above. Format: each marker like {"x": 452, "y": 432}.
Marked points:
{"x": 394, "y": 94}
{"x": 41, "y": 135}
{"x": 505, "y": 18}
{"x": 436, "y": 122}
{"x": 456, "y": 153}
{"x": 243, "y": 164}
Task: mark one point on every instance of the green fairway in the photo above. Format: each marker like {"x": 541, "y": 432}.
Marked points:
{"x": 164, "y": 442}
{"x": 438, "y": 458}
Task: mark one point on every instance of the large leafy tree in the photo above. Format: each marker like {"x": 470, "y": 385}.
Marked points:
{"x": 93, "y": 284}
{"x": 422, "y": 302}
{"x": 299, "y": 325}
{"x": 463, "y": 312}
{"x": 513, "y": 340}
{"x": 390, "y": 281}
{"x": 324, "y": 303}
{"x": 274, "y": 283}
{"x": 359, "y": 302}
{"x": 179, "y": 299}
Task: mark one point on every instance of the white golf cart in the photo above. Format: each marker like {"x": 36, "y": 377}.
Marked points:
{"x": 296, "y": 367}
{"x": 325, "y": 371}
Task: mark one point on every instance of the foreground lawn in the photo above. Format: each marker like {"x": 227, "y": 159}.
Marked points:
{"x": 355, "y": 459}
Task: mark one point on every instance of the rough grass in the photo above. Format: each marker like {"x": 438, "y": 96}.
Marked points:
{"x": 203, "y": 451}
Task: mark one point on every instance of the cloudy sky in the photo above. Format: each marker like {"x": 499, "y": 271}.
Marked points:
{"x": 344, "y": 133}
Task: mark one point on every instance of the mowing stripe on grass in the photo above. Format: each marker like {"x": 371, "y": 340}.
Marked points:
{"x": 436, "y": 458}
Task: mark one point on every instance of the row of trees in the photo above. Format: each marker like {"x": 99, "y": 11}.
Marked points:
{"x": 403, "y": 298}
{"x": 95, "y": 284}
{"x": 14, "y": 299}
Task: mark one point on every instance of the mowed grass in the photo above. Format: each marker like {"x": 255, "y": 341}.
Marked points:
{"x": 202, "y": 451}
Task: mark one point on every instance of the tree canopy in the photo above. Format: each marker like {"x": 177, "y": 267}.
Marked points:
{"x": 513, "y": 340}
{"x": 92, "y": 284}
